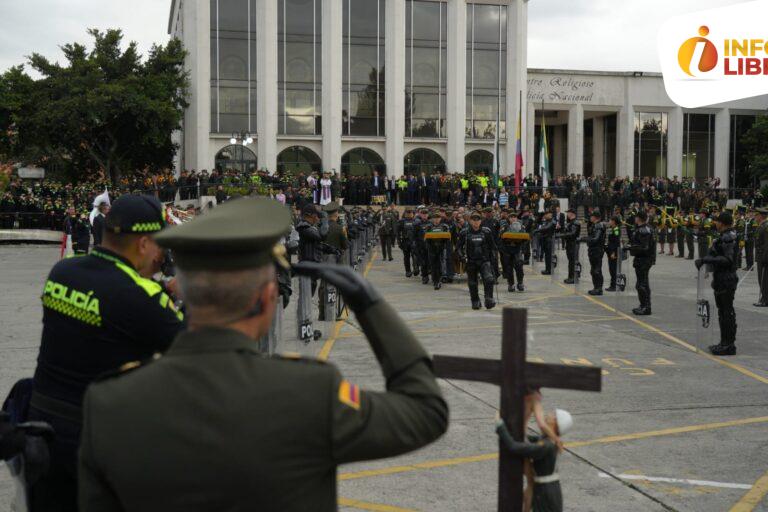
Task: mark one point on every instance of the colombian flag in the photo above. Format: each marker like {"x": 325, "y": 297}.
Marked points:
{"x": 519, "y": 150}
{"x": 349, "y": 394}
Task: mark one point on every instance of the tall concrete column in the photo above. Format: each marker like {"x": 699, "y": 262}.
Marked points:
{"x": 723, "y": 146}
{"x": 517, "y": 83}
{"x": 456, "y": 91}
{"x": 675, "y": 143}
{"x": 598, "y": 146}
{"x": 625, "y": 142}
{"x": 266, "y": 68}
{"x": 333, "y": 36}
{"x": 558, "y": 167}
{"x": 197, "y": 118}
{"x": 395, "y": 86}
{"x": 575, "y": 139}
{"x": 530, "y": 137}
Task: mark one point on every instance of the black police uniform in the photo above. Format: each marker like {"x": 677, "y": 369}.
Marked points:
{"x": 493, "y": 225}
{"x": 419, "y": 227}
{"x": 477, "y": 247}
{"x": 643, "y": 248}
{"x": 387, "y": 233}
{"x": 595, "y": 251}
{"x": 547, "y": 233}
{"x": 98, "y": 314}
{"x": 406, "y": 241}
{"x": 570, "y": 236}
{"x": 436, "y": 253}
{"x": 613, "y": 250}
{"x": 723, "y": 258}
{"x": 512, "y": 255}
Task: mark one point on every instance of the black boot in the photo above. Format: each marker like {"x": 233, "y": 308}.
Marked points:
{"x": 511, "y": 287}
{"x": 723, "y": 350}
{"x": 520, "y": 287}
{"x": 408, "y": 274}
{"x": 476, "y": 304}
{"x": 595, "y": 292}
{"x": 490, "y": 303}
{"x": 570, "y": 280}
{"x": 438, "y": 285}
{"x": 611, "y": 288}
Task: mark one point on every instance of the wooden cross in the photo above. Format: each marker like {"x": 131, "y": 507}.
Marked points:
{"x": 514, "y": 375}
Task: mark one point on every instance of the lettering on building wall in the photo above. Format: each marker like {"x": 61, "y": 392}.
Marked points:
{"x": 561, "y": 89}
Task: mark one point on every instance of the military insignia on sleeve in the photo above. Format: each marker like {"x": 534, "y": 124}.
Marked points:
{"x": 349, "y": 394}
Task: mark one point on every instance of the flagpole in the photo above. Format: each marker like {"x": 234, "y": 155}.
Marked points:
{"x": 543, "y": 128}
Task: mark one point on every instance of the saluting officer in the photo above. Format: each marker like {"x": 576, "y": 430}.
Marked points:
{"x": 229, "y": 427}
{"x": 100, "y": 312}
{"x": 595, "y": 250}
{"x": 476, "y": 246}
{"x": 723, "y": 257}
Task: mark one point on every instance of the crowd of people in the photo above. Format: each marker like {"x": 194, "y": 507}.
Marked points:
{"x": 42, "y": 204}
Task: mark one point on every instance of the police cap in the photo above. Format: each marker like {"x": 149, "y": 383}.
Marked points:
{"x": 331, "y": 207}
{"x": 240, "y": 234}
{"x": 435, "y": 215}
{"x": 135, "y": 214}
{"x": 309, "y": 209}
{"x": 476, "y": 216}
{"x": 571, "y": 210}
{"x": 596, "y": 214}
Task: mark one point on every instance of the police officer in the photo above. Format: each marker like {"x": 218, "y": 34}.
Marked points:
{"x": 761, "y": 256}
{"x": 337, "y": 236}
{"x": 406, "y": 242}
{"x": 436, "y": 247}
{"x": 643, "y": 248}
{"x": 547, "y": 233}
{"x": 231, "y": 428}
{"x": 420, "y": 225}
{"x": 723, "y": 256}
{"x": 702, "y": 232}
{"x": 595, "y": 250}
{"x": 512, "y": 253}
{"x": 690, "y": 222}
{"x": 613, "y": 250}
{"x": 100, "y": 312}
{"x": 570, "y": 236}
{"x": 492, "y": 223}
{"x": 388, "y": 232}
{"x": 476, "y": 246}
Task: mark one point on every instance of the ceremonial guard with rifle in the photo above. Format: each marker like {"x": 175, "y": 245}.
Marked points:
{"x": 643, "y": 248}
{"x": 595, "y": 250}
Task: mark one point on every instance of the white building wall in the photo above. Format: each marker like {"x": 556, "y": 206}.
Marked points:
{"x": 517, "y": 90}
{"x": 333, "y": 37}
{"x": 266, "y": 92}
{"x": 394, "y": 87}
{"x": 456, "y": 91}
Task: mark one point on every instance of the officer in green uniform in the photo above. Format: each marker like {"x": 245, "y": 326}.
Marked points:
{"x": 99, "y": 312}
{"x": 220, "y": 426}
{"x": 337, "y": 236}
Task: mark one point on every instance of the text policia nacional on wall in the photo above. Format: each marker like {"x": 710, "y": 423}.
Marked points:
{"x": 561, "y": 89}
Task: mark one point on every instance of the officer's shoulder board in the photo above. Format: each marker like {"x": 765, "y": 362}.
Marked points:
{"x": 127, "y": 368}
{"x": 299, "y": 358}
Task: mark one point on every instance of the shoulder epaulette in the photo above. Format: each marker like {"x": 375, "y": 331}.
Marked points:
{"x": 127, "y": 368}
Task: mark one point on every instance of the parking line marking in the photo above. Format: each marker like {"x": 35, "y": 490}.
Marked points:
{"x": 675, "y": 339}
{"x": 364, "y": 505}
{"x": 701, "y": 483}
{"x": 753, "y": 497}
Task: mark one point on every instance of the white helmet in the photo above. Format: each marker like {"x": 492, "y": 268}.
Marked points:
{"x": 564, "y": 421}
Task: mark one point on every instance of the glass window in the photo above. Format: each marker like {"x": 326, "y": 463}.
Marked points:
{"x": 738, "y": 165}
{"x": 425, "y": 68}
{"x": 362, "y": 162}
{"x": 425, "y": 161}
{"x": 486, "y": 71}
{"x": 479, "y": 160}
{"x": 698, "y": 146}
{"x": 299, "y": 66}
{"x": 236, "y": 158}
{"x": 650, "y": 144}
{"x": 298, "y": 159}
{"x": 363, "y": 68}
{"x": 233, "y": 66}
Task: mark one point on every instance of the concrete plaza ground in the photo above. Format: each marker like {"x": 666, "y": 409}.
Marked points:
{"x": 673, "y": 429}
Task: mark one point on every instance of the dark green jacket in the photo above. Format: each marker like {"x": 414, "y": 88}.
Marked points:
{"x": 214, "y": 425}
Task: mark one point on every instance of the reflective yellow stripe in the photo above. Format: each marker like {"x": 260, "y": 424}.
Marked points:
{"x": 152, "y": 288}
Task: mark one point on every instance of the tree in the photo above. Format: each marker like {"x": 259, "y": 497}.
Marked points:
{"x": 755, "y": 142}
{"x": 105, "y": 109}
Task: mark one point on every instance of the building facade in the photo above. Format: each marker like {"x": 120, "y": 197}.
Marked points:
{"x": 409, "y": 86}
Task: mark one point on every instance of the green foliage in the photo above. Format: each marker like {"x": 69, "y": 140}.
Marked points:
{"x": 755, "y": 142}
{"x": 104, "y": 110}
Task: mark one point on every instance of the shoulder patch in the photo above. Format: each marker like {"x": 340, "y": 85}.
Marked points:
{"x": 349, "y": 394}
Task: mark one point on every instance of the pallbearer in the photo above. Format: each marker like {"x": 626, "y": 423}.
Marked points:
{"x": 476, "y": 245}
{"x": 513, "y": 240}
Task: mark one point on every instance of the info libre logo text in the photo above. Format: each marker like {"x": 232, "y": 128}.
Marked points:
{"x": 715, "y": 56}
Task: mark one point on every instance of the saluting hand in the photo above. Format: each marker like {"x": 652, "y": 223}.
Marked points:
{"x": 358, "y": 293}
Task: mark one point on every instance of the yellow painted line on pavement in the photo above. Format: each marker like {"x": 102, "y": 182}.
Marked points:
{"x": 753, "y": 497}
{"x": 676, "y": 340}
{"x": 364, "y": 505}
{"x": 325, "y": 351}
{"x": 574, "y": 444}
